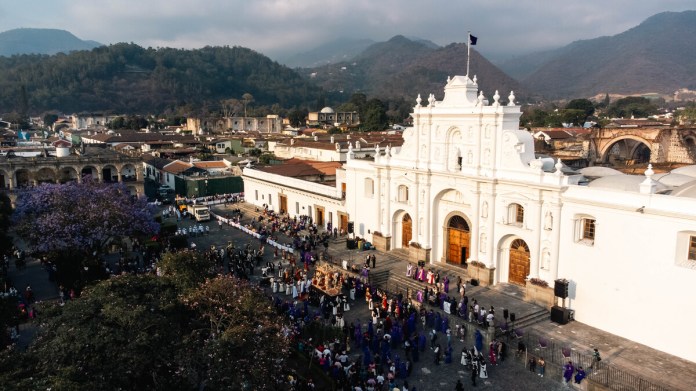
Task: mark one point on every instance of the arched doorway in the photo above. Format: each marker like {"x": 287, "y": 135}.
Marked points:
{"x": 458, "y": 239}
{"x": 24, "y": 178}
{"x": 519, "y": 262}
{"x": 45, "y": 175}
{"x": 406, "y": 232}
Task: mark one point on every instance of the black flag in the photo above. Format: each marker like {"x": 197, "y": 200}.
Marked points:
{"x": 472, "y": 39}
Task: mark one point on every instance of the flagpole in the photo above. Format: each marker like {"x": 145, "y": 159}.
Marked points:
{"x": 468, "y": 51}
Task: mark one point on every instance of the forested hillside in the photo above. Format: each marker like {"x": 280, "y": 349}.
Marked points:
{"x": 401, "y": 69}
{"x": 656, "y": 56}
{"x": 129, "y": 78}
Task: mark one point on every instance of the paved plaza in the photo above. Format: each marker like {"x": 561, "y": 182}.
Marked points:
{"x": 511, "y": 374}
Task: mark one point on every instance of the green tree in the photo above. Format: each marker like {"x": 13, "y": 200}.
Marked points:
{"x": 124, "y": 333}
{"x": 374, "y": 116}
{"x": 247, "y": 98}
{"x": 605, "y": 102}
{"x": 687, "y": 115}
{"x": 572, "y": 116}
{"x": 117, "y": 123}
{"x": 49, "y": 119}
{"x": 359, "y": 100}
{"x": 297, "y": 118}
{"x": 632, "y": 106}
{"x": 585, "y": 105}
{"x": 135, "y": 332}
{"x": 348, "y": 107}
{"x": 266, "y": 158}
{"x": 233, "y": 319}
{"x": 5, "y": 222}
{"x": 187, "y": 269}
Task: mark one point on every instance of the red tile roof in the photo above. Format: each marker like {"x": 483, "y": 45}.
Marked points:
{"x": 214, "y": 164}
{"x": 177, "y": 167}
{"x": 301, "y": 168}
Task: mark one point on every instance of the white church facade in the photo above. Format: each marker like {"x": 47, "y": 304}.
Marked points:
{"x": 466, "y": 186}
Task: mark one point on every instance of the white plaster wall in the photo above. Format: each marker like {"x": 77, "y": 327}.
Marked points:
{"x": 305, "y": 199}
{"x": 628, "y": 282}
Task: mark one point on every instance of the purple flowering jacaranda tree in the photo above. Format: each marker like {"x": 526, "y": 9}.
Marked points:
{"x": 80, "y": 216}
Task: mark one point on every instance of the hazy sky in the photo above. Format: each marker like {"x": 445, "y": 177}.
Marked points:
{"x": 277, "y": 27}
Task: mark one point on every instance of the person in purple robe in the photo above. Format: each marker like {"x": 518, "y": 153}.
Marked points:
{"x": 421, "y": 274}
{"x": 445, "y": 283}
{"x": 568, "y": 370}
{"x": 419, "y": 296}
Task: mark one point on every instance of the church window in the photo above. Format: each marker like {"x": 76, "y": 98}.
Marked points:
{"x": 692, "y": 248}
{"x": 588, "y": 229}
{"x": 403, "y": 193}
{"x": 585, "y": 229}
{"x": 516, "y": 214}
{"x": 369, "y": 187}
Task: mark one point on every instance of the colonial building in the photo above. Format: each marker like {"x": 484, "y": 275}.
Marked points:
{"x": 194, "y": 178}
{"x": 328, "y": 117}
{"x": 334, "y": 148}
{"x": 66, "y": 165}
{"x": 271, "y": 123}
{"x": 466, "y": 186}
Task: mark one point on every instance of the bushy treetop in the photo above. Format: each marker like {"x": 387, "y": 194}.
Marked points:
{"x": 80, "y": 216}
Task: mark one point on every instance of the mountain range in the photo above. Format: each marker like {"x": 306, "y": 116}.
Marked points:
{"x": 41, "y": 41}
{"x": 656, "y": 56}
{"x": 403, "y": 68}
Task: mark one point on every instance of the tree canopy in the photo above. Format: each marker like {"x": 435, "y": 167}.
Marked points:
{"x": 80, "y": 217}
{"x": 73, "y": 222}
{"x": 145, "y": 332}
{"x": 5, "y": 219}
{"x": 631, "y": 106}
{"x": 373, "y": 116}
{"x": 128, "y": 78}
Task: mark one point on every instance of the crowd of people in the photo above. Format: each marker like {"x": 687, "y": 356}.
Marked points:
{"x": 381, "y": 351}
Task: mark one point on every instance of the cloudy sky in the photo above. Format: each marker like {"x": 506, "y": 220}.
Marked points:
{"x": 505, "y": 28}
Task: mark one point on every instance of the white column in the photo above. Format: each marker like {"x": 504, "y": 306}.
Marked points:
{"x": 475, "y": 223}
{"x": 535, "y": 255}
{"x": 491, "y": 249}
{"x": 427, "y": 218}
{"x": 555, "y": 239}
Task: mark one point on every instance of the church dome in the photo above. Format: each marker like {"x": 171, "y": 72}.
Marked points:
{"x": 686, "y": 170}
{"x": 686, "y": 190}
{"x": 672, "y": 179}
{"x": 327, "y": 110}
{"x": 623, "y": 182}
{"x": 599, "y": 171}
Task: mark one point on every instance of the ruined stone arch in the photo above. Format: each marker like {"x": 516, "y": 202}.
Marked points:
{"x": 628, "y": 145}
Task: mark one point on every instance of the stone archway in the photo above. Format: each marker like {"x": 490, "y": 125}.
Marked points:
{"x": 24, "y": 178}
{"x": 519, "y": 262}
{"x": 89, "y": 171}
{"x": 626, "y": 149}
{"x": 128, "y": 173}
{"x": 4, "y": 180}
{"x": 458, "y": 241}
{"x": 45, "y": 175}
{"x": 67, "y": 174}
{"x": 109, "y": 173}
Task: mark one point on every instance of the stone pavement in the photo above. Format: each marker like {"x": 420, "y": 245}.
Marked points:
{"x": 654, "y": 366}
